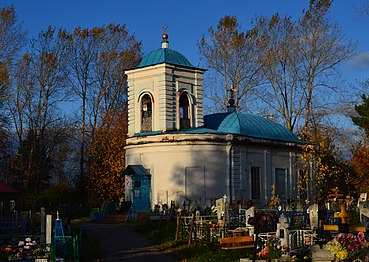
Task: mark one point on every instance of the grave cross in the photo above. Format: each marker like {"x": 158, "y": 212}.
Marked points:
{"x": 343, "y": 215}
{"x": 335, "y": 193}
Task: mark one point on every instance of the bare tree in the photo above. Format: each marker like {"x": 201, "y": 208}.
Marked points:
{"x": 231, "y": 53}
{"x": 300, "y": 63}
{"x": 33, "y": 102}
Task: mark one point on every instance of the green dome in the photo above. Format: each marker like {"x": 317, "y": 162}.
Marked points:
{"x": 249, "y": 125}
{"x": 165, "y": 55}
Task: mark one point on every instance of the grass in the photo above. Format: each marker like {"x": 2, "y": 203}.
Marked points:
{"x": 163, "y": 233}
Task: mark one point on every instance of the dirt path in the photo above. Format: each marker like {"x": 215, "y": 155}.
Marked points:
{"x": 120, "y": 242}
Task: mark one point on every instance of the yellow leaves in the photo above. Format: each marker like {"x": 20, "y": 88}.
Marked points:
{"x": 108, "y": 157}
{"x": 49, "y": 59}
{"x": 26, "y": 57}
{"x": 77, "y": 31}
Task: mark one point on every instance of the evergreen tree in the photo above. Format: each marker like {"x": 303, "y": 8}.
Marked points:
{"x": 362, "y": 118}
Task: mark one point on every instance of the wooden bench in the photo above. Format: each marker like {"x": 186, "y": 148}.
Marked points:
{"x": 230, "y": 243}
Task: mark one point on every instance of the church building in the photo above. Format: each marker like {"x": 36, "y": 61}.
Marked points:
{"x": 195, "y": 158}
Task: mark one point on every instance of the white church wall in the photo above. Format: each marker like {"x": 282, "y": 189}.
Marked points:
{"x": 184, "y": 169}
{"x": 267, "y": 160}
{"x": 178, "y": 170}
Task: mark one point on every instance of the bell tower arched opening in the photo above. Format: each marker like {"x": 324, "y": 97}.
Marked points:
{"x": 146, "y": 113}
{"x": 184, "y": 111}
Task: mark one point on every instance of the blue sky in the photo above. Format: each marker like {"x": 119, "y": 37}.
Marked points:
{"x": 187, "y": 20}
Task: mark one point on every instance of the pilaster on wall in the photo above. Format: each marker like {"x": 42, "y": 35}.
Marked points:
{"x": 131, "y": 108}
{"x": 198, "y": 92}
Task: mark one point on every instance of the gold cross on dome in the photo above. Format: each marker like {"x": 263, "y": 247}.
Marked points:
{"x": 165, "y": 28}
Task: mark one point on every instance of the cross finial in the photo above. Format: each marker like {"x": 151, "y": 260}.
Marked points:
{"x": 164, "y": 43}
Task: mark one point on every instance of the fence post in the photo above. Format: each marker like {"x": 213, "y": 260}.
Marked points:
{"x": 178, "y": 223}
{"x": 48, "y": 229}
{"x": 75, "y": 248}
{"x": 43, "y": 226}
{"x": 191, "y": 229}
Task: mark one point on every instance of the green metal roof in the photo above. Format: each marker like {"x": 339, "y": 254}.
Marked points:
{"x": 249, "y": 125}
{"x": 165, "y": 55}
{"x": 238, "y": 124}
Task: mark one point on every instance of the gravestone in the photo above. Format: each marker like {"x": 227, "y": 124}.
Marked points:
{"x": 249, "y": 213}
{"x": 283, "y": 230}
{"x": 221, "y": 206}
{"x": 313, "y": 216}
{"x": 48, "y": 229}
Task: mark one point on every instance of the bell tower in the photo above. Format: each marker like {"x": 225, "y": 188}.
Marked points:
{"x": 165, "y": 93}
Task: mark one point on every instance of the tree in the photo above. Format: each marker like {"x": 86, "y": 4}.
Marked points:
{"x": 107, "y": 156}
{"x": 360, "y": 163}
{"x": 33, "y": 102}
{"x": 360, "y": 150}
{"x": 362, "y": 117}
{"x": 277, "y": 41}
{"x": 322, "y": 160}
{"x": 98, "y": 57}
{"x": 12, "y": 39}
{"x": 232, "y": 54}
{"x": 301, "y": 64}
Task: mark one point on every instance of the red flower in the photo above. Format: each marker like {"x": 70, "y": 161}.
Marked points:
{"x": 7, "y": 249}
{"x": 352, "y": 247}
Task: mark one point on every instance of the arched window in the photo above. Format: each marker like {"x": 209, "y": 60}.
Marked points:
{"x": 184, "y": 112}
{"x": 146, "y": 114}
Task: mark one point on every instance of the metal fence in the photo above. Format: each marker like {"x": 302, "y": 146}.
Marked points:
{"x": 65, "y": 247}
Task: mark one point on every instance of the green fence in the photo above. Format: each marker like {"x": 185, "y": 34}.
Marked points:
{"x": 65, "y": 247}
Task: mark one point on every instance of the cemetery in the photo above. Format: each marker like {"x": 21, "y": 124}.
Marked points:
{"x": 245, "y": 163}
{"x": 329, "y": 231}
{"x": 37, "y": 237}
{"x": 334, "y": 230}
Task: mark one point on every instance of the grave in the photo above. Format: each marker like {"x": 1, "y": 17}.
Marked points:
{"x": 343, "y": 215}
{"x": 283, "y": 231}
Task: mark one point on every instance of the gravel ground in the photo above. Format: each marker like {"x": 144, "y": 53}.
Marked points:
{"x": 120, "y": 242}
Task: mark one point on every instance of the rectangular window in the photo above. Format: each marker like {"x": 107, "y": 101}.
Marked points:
{"x": 255, "y": 182}
{"x": 280, "y": 182}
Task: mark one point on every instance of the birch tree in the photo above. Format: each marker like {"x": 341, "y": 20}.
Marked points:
{"x": 301, "y": 64}
{"x": 232, "y": 54}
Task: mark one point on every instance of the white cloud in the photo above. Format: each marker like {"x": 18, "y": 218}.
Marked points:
{"x": 361, "y": 61}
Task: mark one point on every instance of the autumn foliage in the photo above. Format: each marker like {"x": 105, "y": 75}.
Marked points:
{"x": 107, "y": 157}
{"x": 323, "y": 159}
{"x": 360, "y": 163}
